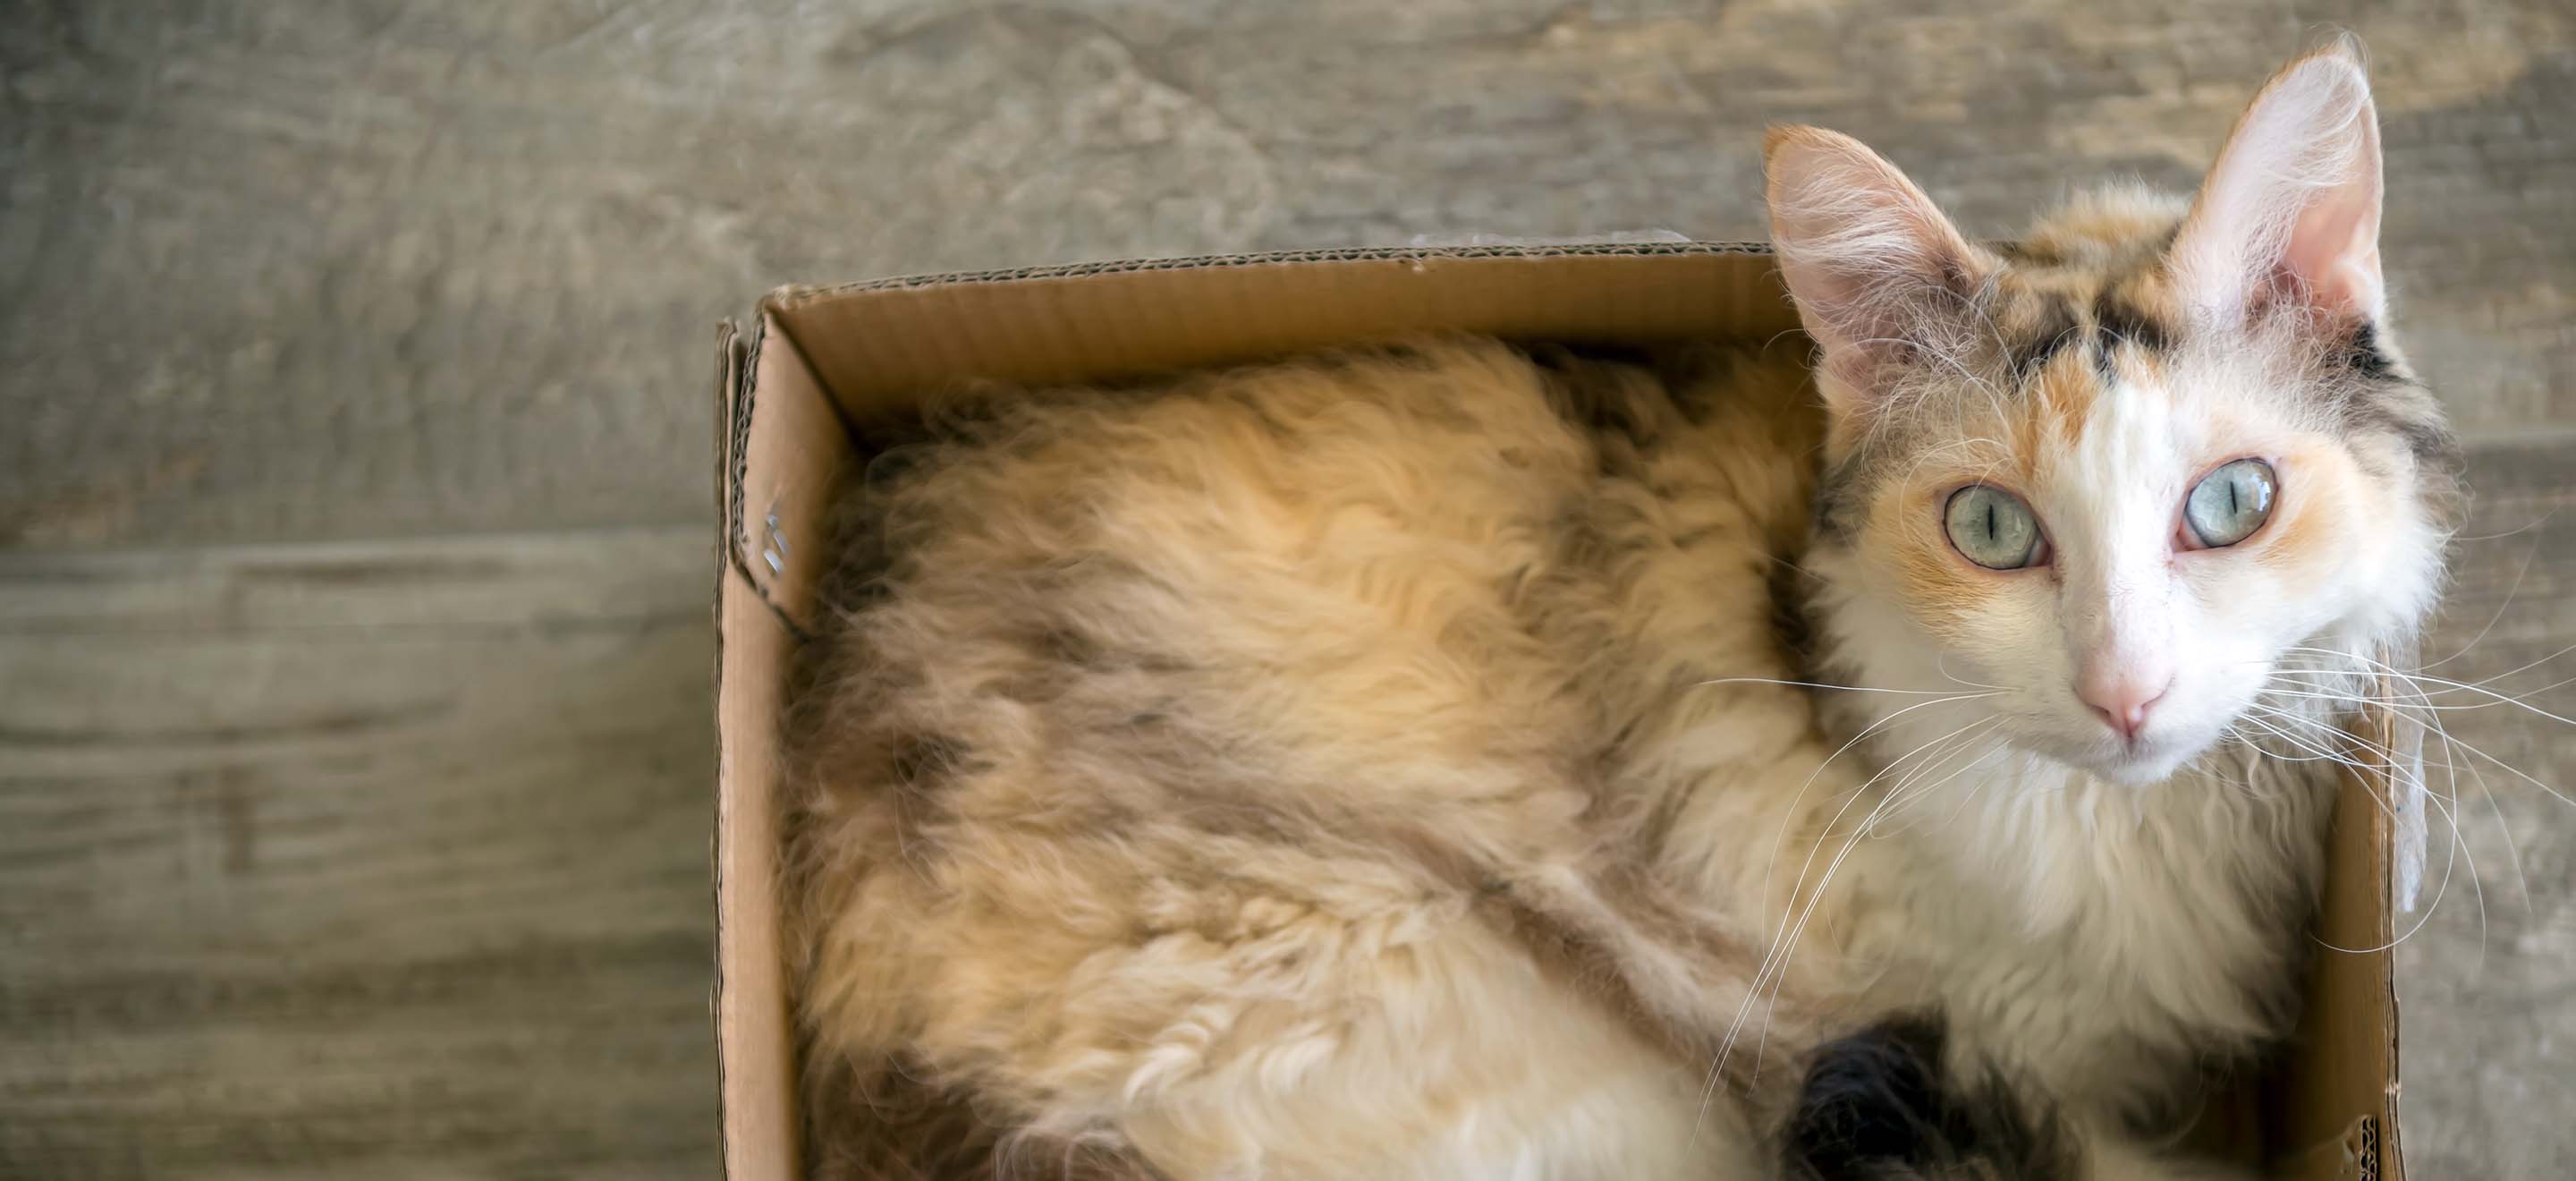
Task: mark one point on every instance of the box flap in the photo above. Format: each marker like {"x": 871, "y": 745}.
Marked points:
{"x": 877, "y": 346}
{"x": 788, "y": 451}
{"x": 2337, "y": 1107}
{"x": 754, "y": 651}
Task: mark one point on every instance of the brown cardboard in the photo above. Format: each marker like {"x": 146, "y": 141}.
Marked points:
{"x": 877, "y": 343}
{"x": 2339, "y": 1096}
{"x": 778, "y": 471}
{"x": 822, "y": 365}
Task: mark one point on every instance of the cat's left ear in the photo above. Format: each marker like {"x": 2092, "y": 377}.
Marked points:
{"x": 2291, "y": 209}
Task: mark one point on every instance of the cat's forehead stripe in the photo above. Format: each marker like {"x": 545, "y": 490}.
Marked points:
{"x": 2099, "y": 317}
{"x": 2035, "y": 328}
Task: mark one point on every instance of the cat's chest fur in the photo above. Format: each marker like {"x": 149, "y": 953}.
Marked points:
{"x": 2103, "y": 937}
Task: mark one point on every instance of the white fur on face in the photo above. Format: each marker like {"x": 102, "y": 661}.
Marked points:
{"x": 2131, "y": 599}
{"x": 2347, "y": 560}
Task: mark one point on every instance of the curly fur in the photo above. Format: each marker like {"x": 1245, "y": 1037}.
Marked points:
{"x": 1196, "y": 764}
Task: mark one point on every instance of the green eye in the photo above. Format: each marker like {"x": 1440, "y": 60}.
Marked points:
{"x": 1993, "y": 528}
{"x": 2231, "y": 504}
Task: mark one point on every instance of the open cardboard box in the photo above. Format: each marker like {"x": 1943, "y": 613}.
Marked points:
{"x": 801, "y": 390}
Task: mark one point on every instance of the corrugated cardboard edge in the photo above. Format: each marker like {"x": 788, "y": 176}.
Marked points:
{"x": 2348, "y": 1029}
{"x": 734, "y": 395}
{"x": 881, "y": 344}
{"x": 730, "y": 371}
{"x": 783, "y": 452}
{"x": 793, "y": 294}
{"x": 2385, "y": 1145}
{"x": 756, "y": 1108}
{"x": 730, "y": 375}
{"x": 2362, "y": 1153}
{"x": 2373, "y": 1139}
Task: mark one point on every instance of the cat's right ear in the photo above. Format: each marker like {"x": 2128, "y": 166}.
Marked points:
{"x": 1881, "y": 278}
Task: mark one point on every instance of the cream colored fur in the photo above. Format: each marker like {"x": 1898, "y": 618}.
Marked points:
{"x": 1314, "y": 740}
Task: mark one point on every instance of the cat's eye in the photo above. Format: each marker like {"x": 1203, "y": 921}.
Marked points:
{"x": 1993, "y": 528}
{"x": 2229, "y": 504}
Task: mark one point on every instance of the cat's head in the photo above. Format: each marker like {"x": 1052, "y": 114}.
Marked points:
{"x": 2125, "y": 467}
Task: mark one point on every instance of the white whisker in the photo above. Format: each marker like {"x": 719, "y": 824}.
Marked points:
{"x": 1775, "y": 959}
{"x": 2458, "y": 849}
{"x": 2501, "y": 608}
{"x": 2462, "y": 686}
{"x": 1851, "y": 688}
{"x": 1780, "y": 838}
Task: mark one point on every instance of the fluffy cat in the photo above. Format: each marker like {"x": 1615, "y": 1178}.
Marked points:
{"x": 1403, "y": 763}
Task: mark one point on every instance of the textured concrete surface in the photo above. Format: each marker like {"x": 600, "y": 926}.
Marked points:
{"x": 332, "y": 847}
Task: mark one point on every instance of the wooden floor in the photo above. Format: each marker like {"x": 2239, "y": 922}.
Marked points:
{"x": 355, "y": 747}
{"x": 358, "y": 860}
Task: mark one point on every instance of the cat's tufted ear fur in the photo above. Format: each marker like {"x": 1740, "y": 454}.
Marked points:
{"x": 2290, "y": 212}
{"x": 1881, "y": 277}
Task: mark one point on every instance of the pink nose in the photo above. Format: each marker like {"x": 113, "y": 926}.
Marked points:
{"x": 2121, "y": 702}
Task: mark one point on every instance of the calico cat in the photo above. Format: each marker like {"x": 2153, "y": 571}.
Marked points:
{"x": 1460, "y": 760}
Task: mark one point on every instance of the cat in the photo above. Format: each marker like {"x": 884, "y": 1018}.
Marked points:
{"x": 1904, "y": 751}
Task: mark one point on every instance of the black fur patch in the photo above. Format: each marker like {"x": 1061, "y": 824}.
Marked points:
{"x": 2029, "y": 253}
{"x": 2058, "y": 330}
{"x": 1789, "y": 610}
{"x": 2363, "y": 354}
{"x": 922, "y": 760}
{"x": 2115, "y": 321}
{"x": 2403, "y": 411}
{"x": 1839, "y": 501}
{"x": 1875, "y": 1107}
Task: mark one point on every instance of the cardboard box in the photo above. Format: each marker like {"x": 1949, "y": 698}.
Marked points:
{"x": 820, "y": 366}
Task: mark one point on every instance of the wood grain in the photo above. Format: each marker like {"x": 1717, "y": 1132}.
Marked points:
{"x": 358, "y": 860}
{"x": 325, "y": 269}
{"x": 2488, "y": 1015}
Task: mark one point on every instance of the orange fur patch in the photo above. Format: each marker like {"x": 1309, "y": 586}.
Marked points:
{"x": 2319, "y": 498}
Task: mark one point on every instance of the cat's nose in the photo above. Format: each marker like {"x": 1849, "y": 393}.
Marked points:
{"x": 2121, "y": 698}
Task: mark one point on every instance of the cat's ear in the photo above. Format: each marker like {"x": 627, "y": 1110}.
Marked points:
{"x": 1879, "y": 275}
{"x": 2291, "y": 209}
